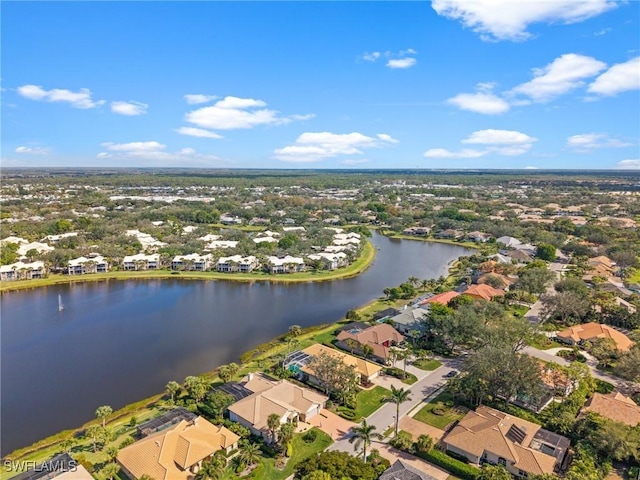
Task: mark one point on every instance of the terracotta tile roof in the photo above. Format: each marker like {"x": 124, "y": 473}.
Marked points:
{"x": 506, "y": 281}
{"x": 484, "y": 291}
{"x": 282, "y": 398}
{"x": 442, "y": 298}
{"x": 592, "y": 331}
{"x": 490, "y": 430}
{"x": 614, "y": 406}
{"x": 168, "y": 454}
{"x": 363, "y": 367}
{"x": 374, "y": 337}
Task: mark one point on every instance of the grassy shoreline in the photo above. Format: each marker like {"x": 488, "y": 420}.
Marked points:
{"x": 362, "y": 263}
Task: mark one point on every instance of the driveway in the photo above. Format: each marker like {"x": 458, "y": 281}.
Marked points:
{"x": 333, "y": 425}
{"x": 417, "y": 428}
{"x": 392, "y": 454}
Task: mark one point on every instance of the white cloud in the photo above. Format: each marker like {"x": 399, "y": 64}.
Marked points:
{"x": 500, "y": 142}
{"x": 564, "y": 74}
{"x": 529, "y": 167}
{"x": 316, "y": 146}
{"x": 195, "y": 98}
{"x": 444, "y": 153}
{"x": 401, "y": 62}
{"x": 81, "y": 99}
{"x": 586, "y": 142}
{"x": 480, "y": 102}
{"x": 509, "y": 19}
{"x": 629, "y": 164}
{"x": 32, "y": 150}
{"x": 154, "y": 153}
{"x": 619, "y": 78}
{"x": 198, "y": 132}
{"x": 130, "y": 108}
{"x": 233, "y": 113}
{"x": 371, "y": 57}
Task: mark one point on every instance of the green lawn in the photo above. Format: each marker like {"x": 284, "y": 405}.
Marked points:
{"x": 427, "y": 364}
{"x": 542, "y": 342}
{"x": 368, "y": 401}
{"x": 301, "y": 450}
{"x": 450, "y": 415}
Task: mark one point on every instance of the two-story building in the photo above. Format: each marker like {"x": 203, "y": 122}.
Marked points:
{"x": 193, "y": 261}
{"x": 84, "y": 265}
{"x": 141, "y": 261}
{"x": 237, "y": 263}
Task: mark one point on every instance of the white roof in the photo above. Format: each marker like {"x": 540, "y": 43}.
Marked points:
{"x": 335, "y": 248}
{"x": 508, "y": 241}
{"x": 22, "y": 265}
{"x": 293, "y": 229}
{"x": 268, "y": 233}
{"x": 288, "y": 259}
{"x": 39, "y": 247}
{"x": 196, "y": 257}
{"x": 82, "y": 260}
{"x": 238, "y": 259}
{"x": 189, "y": 229}
{"x": 145, "y": 239}
{"x": 328, "y": 256}
{"x": 210, "y": 237}
{"x": 335, "y": 229}
{"x": 265, "y": 239}
{"x": 142, "y": 257}
{"x": 54, "y": 238}
{"x": 346, "y": 241}
{"x": 13, "y": 239}
{"x": 222, "y": 244}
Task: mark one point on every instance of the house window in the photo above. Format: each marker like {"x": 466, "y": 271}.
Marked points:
{"x": 523, "y": 474}
{"x": 502, "y": 461}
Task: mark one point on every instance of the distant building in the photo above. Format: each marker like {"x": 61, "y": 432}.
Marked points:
{"x": 194, "y": 261}
{"x": 614, "y": 406}
{"x": 588, "y": 332}
{"x": 22, "y": 271}
{"x": 403, "y": 471}
{"x": 227, "y": 219}
{"x": 483, "y": 292}
{"x": 237, "y": 263}
{"x": 286, "y": 264}
{"x": 141, "y": 261}
{"x": 84, "y": 265}
{"x": 380, "y": 338}
{"x": 330, "y": 260}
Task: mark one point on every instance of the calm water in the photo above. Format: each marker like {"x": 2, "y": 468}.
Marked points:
{"x": 120, "y": 341}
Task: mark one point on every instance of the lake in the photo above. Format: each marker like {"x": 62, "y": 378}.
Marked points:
{"x": 117, "y": 342}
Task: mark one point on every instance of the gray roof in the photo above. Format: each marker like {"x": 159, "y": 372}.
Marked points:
{"x": 403, "y": 471}
{"x": 410, "y": 316}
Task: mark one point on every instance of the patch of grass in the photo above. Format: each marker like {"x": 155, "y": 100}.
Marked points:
{"x": 518, "y": 311}
{"x": 368, "y": 401}
{"x": 301, "y": 451}
{"x": 542, "y": 342}
{"x": 445, "y": 415}
{"x": 428, "y": 364}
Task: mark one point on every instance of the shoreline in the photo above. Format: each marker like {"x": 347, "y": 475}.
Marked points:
{"x": 360, "y": 265}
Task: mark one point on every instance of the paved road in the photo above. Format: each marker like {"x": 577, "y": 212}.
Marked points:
{"x": 384, "y": 417}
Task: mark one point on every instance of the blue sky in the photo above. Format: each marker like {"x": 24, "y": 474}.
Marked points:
{"x": 442, "y": 84}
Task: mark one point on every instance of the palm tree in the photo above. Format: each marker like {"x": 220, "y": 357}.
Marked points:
{"x": 424, "y": 284}
{"x": 250, "y": 454}
{"x": 273, "y": 423}
{"x": 68, "y": 444}
{"x": 172, "y": 388}
{"x": 398, "y": 396}
{"x": 93, "y": 432}
{"x": 103, "y": 412}
{"x": 112, "y": 452}
{"x": 415, "y": 281}
{"x": 111, "y": 470}
{"x": 363, "y": 435}
{"x": 295, "y": 330}
{"x": 351, "y": 343}
{"x": 367, "y": 351}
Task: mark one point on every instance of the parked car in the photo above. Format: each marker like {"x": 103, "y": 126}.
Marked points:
{"x": 451, "y": 374}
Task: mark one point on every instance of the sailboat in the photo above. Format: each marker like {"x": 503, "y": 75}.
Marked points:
{"x": 60, "y": 305}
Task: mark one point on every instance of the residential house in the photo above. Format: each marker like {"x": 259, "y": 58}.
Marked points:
{"x": 386, "y": 313}
{"x": 450, "y": 234}
{"x": 479, "y": 237}
{"x": 194, "y": 261}
{"x": 25, "y": 248}
{"x": 259, "y": 221}
{"x": 237, "y": 263}
{"x": 330, "y": 260}
{"x": 381, "y": 338}
{"x": 366, "y": 371}
{"x": 409, "y": 319}
{"x": 290, "y": 402}
{"x": 420, "y": 231}
{"x": 287, "y": 264}
{"x": 210, "y": 237}
{"x": 401, "y": 470}
{"x": 177, "y": 452}
{"x": 491, "y": 277}
{"x": 60, "y": 467}
{"x": 294, "y": 229}
{"x": 227, "y": 219}
{"x": 508, "y": 241}
{"x": 555, "y": 383}
{"x": 441, "y": 298}
{"x": 614, "y": 406}
{"x": 521, "y": 256}
{"x": 141, "y": 261}
{"x": 57, "y": 238}
{"x": 84, "y": 265}
{"x": 266, "y": 236}
{"x": 602, "y": 263}
{"x": 13, "y": 239}
{"x": 589, "y": 332}
{"x": 483, "y": 292}
{"x": 22, "y": 271}
{"x": 165, "y": 420}
{"x": 221, "y": 244}
{"x": 148, "y": 242}
{"x": 490, "y": 436}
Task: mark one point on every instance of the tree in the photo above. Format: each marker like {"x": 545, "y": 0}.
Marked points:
{"x": 68, "y": 444}
{"x": 295, "y": 331}
{"x": 604, "y": 349}
{"x": 398, "y": 396}
{"x": 568, "y": 307}
{"x": 111, "y": 470}
{"x": 352, "y": 315}
{"x": 628, "y": 366}
{"x": 363, "y": 434}
{"x": 414, "y": 281}
{"x": 103, "y": 412}
{"x": 196, "y": 387}
{"x": 112, "y": 452}
{"x": 534, "y": 280}
{"x": 94, "y": 432}
{"x": 424, "y": 444}
{"x": 225, "y": 373}
{"x": 250, "y": 454}
{"x": 317, "y": 475}
{"x": 494, "y": 472}
{"x": 333, "y": 375}
{"x": 285, "y": 435}
{"x": 273, "y": 423}
{"x": 546, "y": 252}
{"x": 367, "y": 351}
{"x": 172, "y": 389}
{"x": 338, "y": 465}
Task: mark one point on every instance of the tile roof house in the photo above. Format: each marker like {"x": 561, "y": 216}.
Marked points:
{"x": 176, "y": 453}
{"x": 441, "y": 298}
{"x": 483, "y": 292}
{"x": 479, "y": 237}
{"x": 591, "y": 331}
{"x": 366, "y": 370}
{"x": 614, "y": 406}
{"x": 508, "y": 241}
{"x": 285, "y": 399}
{"x": 403, "y": 471}
{"x": 409, "y": 319}
{"x": 487, "y": 435}
{"x": 380, "y": 338}
{"x": 486, "y": 277}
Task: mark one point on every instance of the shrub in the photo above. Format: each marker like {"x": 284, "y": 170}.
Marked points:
{"x": 438, "y": 410}
{"x": 126, "y": 442}
{"x": 289, "y": 450}
{"x": 404, "y": 441}
{"x": 347, "y": 413}
{"x": 456, "y": 467}
{"x": 310, "y": 436}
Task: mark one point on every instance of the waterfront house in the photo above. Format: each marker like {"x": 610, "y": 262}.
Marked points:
{"x": 614, "y": 406}
{"x": 479, "y": 237}
{"x": 441, "y": 298}
{"x": 589, "y": 332}
{"x": 286, "y": 264}
{"x": 409, "y": 319}
{"x": 237, "y": 263}
{"x": 450, "y": 234}
{"x": 267, "y": 396}
{"x": 366, "y": 371}
{"x": 490, "y": 436}
{"x": 483, "y": 292}
{"x": 508, "y": 241}
{"x": 330, "y": 260}
{"x": 25, "y": 248}
{"x": 177, "y": 452}
{"x": 22, "y": 271}
{"x": 227, "y": 219}
{"x": 380, "y": 338}
{"x": 84, "y": 265}
{"x": 194, "y": 261}
{"x": 141, "y": 261}
{"x": 419, "y": 231}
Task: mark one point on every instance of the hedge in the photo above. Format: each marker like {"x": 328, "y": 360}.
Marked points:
{"x": 453, "y": 466}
